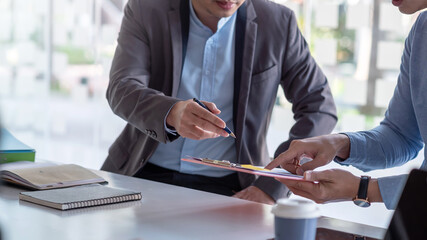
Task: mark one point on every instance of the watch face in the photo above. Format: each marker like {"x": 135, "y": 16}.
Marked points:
{"x": 362, "y": 202}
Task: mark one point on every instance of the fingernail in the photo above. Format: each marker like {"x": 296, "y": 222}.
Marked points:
{"x": 300, "y": 171}
{"x": 307, "y": 175}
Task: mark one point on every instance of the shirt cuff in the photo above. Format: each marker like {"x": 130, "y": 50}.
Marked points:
{"x": 167, "y": 129}
{"x": 391, "y": 188}
{"x": 356, "y": 148}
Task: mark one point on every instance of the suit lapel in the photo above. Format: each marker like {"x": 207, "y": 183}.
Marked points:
{"x": 179, "y": 22}
{"x": 246, "y": 30}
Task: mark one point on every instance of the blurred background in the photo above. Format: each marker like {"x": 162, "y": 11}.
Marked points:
{"x": 55, "y": 56}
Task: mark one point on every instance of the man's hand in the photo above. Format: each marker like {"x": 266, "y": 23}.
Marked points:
{"x": 254, "y": 194}
{"x": 329, "y": 185}
{"x": 321, "y": 149}
{"x": 193, "y": 121}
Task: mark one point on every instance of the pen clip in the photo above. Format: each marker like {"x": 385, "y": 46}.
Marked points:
{"x": 224, "y": 163}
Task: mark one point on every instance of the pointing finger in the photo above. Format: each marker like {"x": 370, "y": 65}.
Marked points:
{"x": 283, "y": 159}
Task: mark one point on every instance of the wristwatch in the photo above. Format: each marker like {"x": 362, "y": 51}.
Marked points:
{"x": 361, "y": 199}
{"x": 357, "y": 237}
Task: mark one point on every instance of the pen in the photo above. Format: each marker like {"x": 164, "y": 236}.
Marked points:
{"x": 204, "y": 106}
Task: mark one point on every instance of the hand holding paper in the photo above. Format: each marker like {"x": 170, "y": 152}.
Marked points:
{"x": 246, "y": 168}
{"x": 325, "y": 186}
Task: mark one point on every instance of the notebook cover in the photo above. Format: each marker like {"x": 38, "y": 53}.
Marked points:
{"x": 80, "y": 196}
{"x": 50, "y": 177}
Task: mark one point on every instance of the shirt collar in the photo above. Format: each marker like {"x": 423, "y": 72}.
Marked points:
{"x": 194, "y": 17}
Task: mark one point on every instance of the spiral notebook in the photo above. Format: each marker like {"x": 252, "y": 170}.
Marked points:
{"x": 80, "y": 196}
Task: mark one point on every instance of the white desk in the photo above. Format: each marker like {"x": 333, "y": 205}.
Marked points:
{"x": 165, "y": 212}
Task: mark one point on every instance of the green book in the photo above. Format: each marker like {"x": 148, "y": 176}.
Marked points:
{"x": 12, "y": 150}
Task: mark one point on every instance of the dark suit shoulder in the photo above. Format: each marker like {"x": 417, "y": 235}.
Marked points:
{"x": 154, "y": 4}
{"x": 271, "y": 11}
{"x": 275, "y": 22}
{"x": 151, "y": 15}
{"x": 150, "y": 7}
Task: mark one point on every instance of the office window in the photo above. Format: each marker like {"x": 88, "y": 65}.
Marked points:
{"x": 55, "y": 57}
{"x": 358, "y": 44}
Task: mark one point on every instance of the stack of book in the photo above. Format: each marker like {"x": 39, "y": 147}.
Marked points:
{"x": 11, "y": 149}
{"x": 64, "y": 187}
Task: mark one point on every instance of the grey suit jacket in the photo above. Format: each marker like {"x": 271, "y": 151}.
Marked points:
{"x": 270, "y": 51}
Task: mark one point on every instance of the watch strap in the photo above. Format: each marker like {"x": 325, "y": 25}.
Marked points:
{"x": 357, "y": 237}
{"x": 362, "y": 193}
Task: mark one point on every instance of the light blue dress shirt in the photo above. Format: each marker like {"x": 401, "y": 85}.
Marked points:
{"x": 208, "y": 74}
{"x": 403, "y": 131}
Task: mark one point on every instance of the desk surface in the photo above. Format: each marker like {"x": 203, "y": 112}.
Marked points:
{"x": 165, "y": 212}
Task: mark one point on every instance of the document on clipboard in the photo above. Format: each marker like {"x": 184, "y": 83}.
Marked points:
{"x": 246, "y": 168}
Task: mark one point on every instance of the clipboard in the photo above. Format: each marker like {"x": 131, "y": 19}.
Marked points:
{"x": 246, "y": 168}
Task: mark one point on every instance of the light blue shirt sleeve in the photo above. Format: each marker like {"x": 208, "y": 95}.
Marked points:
{"x": 391, "y": 188}
{"x": 400, "y": 135}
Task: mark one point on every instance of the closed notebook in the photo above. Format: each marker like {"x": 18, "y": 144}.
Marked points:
{"x": 33, "y": 176}
{"x": 80, "y": 196}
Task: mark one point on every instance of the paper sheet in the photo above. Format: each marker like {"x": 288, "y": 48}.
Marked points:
{"x": 246, "y": 168}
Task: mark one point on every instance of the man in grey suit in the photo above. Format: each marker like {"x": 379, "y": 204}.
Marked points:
{"x": 231, "y": 54}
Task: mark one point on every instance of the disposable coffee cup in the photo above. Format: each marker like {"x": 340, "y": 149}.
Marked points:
{"x": 295, "y": 219}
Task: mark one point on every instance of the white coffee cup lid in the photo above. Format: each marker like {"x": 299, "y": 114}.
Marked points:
{"x": 295, "y": 209}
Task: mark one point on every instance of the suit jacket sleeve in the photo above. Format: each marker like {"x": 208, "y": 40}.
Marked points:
{"x": 128, "y": 93}
{"x": 306, "y": 87}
